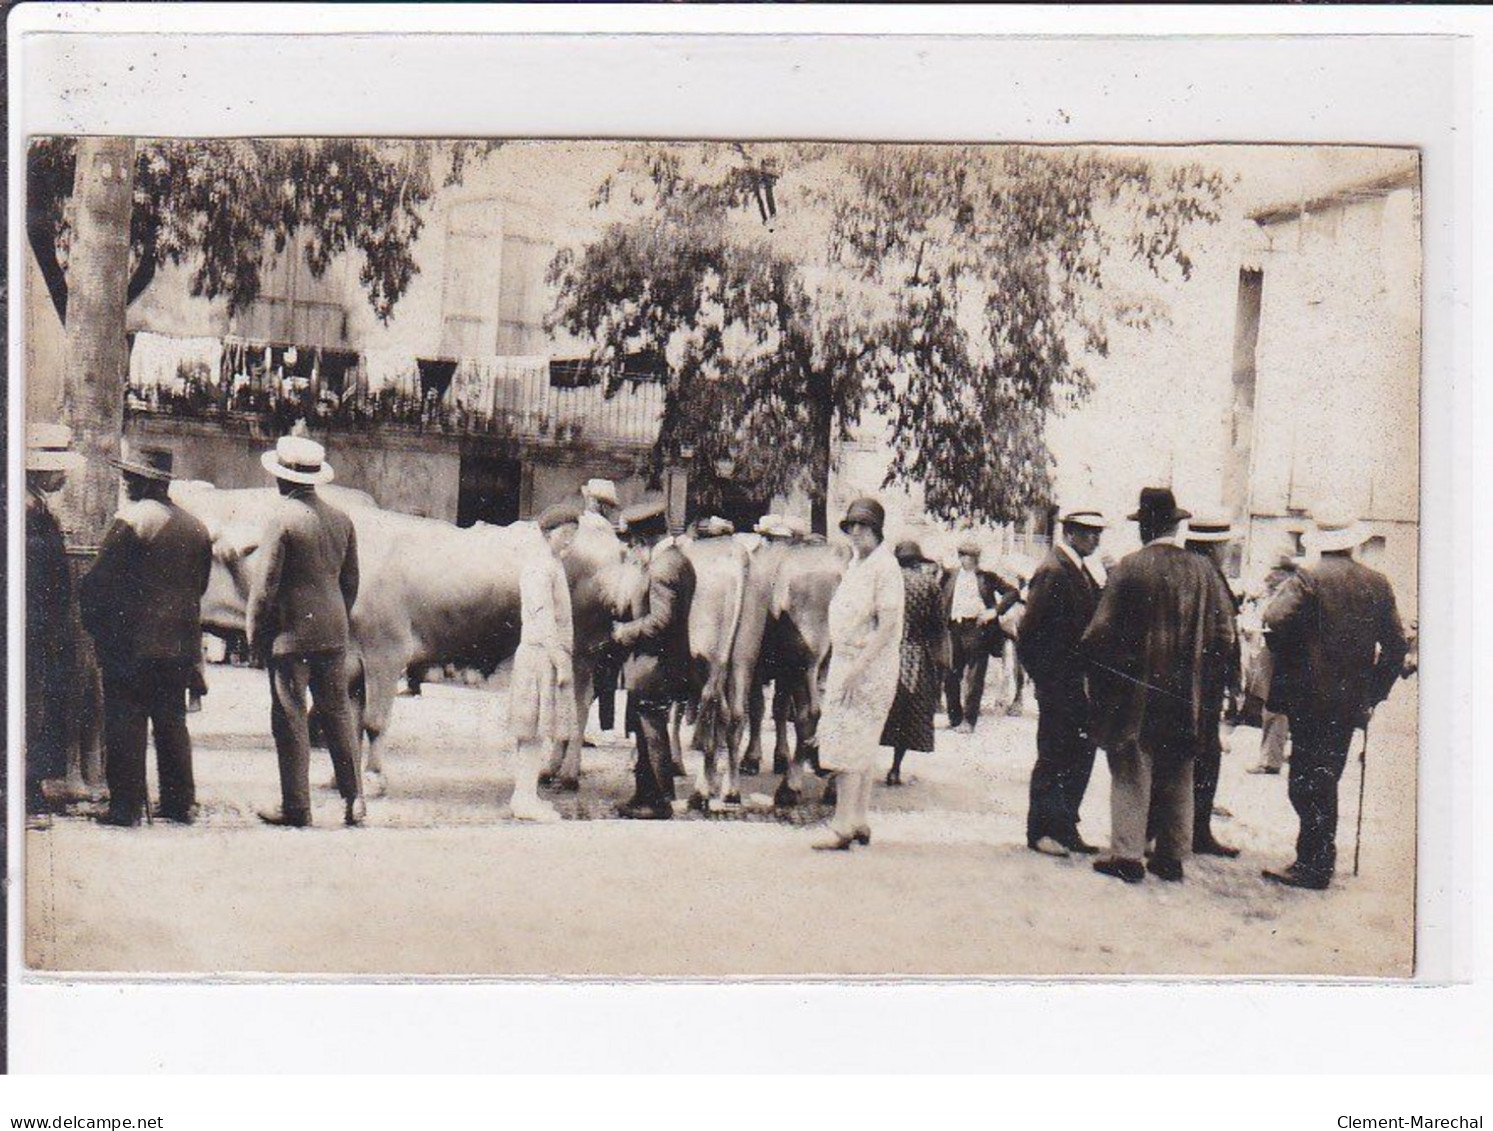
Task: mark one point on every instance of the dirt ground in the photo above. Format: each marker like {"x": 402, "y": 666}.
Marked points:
{"x": 442, "y": 882}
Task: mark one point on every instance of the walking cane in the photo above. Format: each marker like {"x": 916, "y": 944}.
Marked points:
{"x": 1363, "y": 768}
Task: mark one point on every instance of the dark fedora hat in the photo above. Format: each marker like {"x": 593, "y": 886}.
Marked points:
{"x": 1158, "y": 507}
{"x": 865, "y": 512}
{"x": 644, "y": 520}
{"x": 152, "y": 465}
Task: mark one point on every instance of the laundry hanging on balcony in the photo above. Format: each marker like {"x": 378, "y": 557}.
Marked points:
{"x": 391, "y": 370}
{"x": 512, "y": 387}
{"x": 172, "y": 365}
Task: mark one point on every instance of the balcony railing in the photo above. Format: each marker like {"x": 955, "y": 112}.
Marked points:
{"x": 273, "y": 387}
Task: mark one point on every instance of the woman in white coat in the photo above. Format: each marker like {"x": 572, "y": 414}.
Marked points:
{"x": 865, "y": 628}
{"x": 542, "y": 706}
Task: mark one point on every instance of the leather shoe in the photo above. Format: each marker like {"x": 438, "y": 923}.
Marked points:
{"x": 1211, "y": 847}
{"x": 119, "y": 820}
{"x": 833, "y": 842}
{"x": 1263, "y": 770}
{"x": 637, "y": 812}
{"x": 1165, "y": 868}
{"x": 356, "y": 813}
{"x": 863, "y": 836}
{"x": 1131, "y": 871}
{"x": 1294, "y": 878}
{"x": 1047, "y": 846}
{"x": 186, "y": 816}
{"x": 291, "y": 820}
{"x": 1078, "y": 846}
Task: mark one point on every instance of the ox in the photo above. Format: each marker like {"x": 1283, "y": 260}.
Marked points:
{"x": 783, "y": 637}
{"x": 431, "y": 593}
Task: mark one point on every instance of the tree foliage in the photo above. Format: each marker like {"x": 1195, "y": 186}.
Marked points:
{"x": 957, "y": 289}
{"x": 224, "y": 206}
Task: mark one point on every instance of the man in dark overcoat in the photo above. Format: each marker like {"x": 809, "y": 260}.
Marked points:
{"x": 299, "y": 617}
{"x": 50, "y": 652}
{"x": 977, "y": 599}
{"x": 656, "y": 670}
{"x": 1339, "y": 646}
{"x": 142, "y": 604}
{"x": 1060, "y": 602}
{"x": 1160, "y": 626}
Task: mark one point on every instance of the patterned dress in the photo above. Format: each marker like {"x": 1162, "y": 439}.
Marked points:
{"x": 924, "y": 645}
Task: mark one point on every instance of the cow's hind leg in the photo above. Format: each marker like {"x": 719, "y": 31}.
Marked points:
{"x": 564, "y": 769}
{"x": 751, "y": 761}
{"x": 378, "y": 691}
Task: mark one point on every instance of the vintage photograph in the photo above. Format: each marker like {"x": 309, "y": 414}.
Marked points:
{"x": 499, "y": 558}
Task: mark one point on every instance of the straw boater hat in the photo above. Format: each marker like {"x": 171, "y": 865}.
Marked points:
{"x": 1084, "y": 516}
{"x": 1336, "y": 532}
{"x": 713, "y": 526}
{"x": 769, "y": 524}
{"x": 971, "y": 547}
{"x": 298, "y": 460}
{"x": 154, "y": 466}
{"x": 1209, "y": 527}
{"x": 602, "y": 490}
{"x": 49, "y": 448}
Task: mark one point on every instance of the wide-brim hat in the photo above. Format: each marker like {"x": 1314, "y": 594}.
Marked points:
{"x": 644, "y": 520}
{"x": 297, "y": 459}
{"x": 769, "y": 524}
{"x": 714, "y": 526}
{"x": 557, "y": 515}
{"x": 1335, "y": 535}
{"x": 1084, "y": 516}
{"x": 49, "y": 448}
{"x": 150, "y": 465}
{"x": 971, "y": 547}
{"x": 864, "y": 512}
{"x": 1158, "y": 505}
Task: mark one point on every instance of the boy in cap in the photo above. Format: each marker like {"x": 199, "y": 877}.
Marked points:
{"x": 142, "y": 603}
{"x": 977, "y": 600}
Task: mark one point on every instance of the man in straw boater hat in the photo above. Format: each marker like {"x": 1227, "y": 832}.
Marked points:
{"x": 142, "y": 604}
{"x": 299, "y": 611}
{"x": 657, "y": 667}
{"x": 1339, "y": 646}
{"x": 1209, "y": 536}
{"x": 1060, "y": 602}
{"x": 50, "y": 652}
{"x": 1161, "y": 609}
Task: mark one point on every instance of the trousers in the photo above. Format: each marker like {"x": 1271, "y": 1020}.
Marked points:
{"x": 964, "y": 686}
{"x": 151, "y": 696}
{"x": 1147, "y": 790}
{"x": 1274, "y": 730}
{"x": 1319, "y": 753}
{"x": 324, "y": 674}
{"x": 653, "y": 772}
{"x": 1205, "y": 780}
{"x": 604, "y": 680}
{"x": 1065, "y": 761}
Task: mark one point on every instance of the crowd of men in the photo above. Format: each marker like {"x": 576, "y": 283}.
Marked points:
{"x": 1140, "y": 665}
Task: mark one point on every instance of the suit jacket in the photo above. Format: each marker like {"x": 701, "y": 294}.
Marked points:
{"x": 657, "y": 667}
{"x": 142, "y": 600}
{"x": 1337, "y": 640}
{"x": 994, "y": 594}
{"x": 1158, "y": 647}
{"x": 1060, "y": 602}
{"x": 49, "y": 592}
{"x": 302, "y": 594}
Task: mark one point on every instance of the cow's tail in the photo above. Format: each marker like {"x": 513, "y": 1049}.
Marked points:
{"x": 715, "y": 701}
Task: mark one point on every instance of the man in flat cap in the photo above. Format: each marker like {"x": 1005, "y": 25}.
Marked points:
{"x": 142, "y": 604}
{"x": 299, "y": 617}
{"x": 1339, "y": 646}
{"x": 656, "y": 671}
{"x": 50, "y": 653}
{"x": 977, "y": 599}
{"x": 1061, "y": 600}
{"x": 1161, "y": 610}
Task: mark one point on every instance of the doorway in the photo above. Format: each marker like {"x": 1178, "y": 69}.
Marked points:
{"x": 488, "y": 490}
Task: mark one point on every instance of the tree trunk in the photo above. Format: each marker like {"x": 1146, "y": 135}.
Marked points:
{"x": 97, "y": 355}
{"x": 824, "y": 432}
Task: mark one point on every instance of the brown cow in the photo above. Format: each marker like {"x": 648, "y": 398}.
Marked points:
{"x": 431, "y": 593}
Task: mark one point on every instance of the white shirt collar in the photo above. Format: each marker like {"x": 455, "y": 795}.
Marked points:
{"x": 1072, "y": 555}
